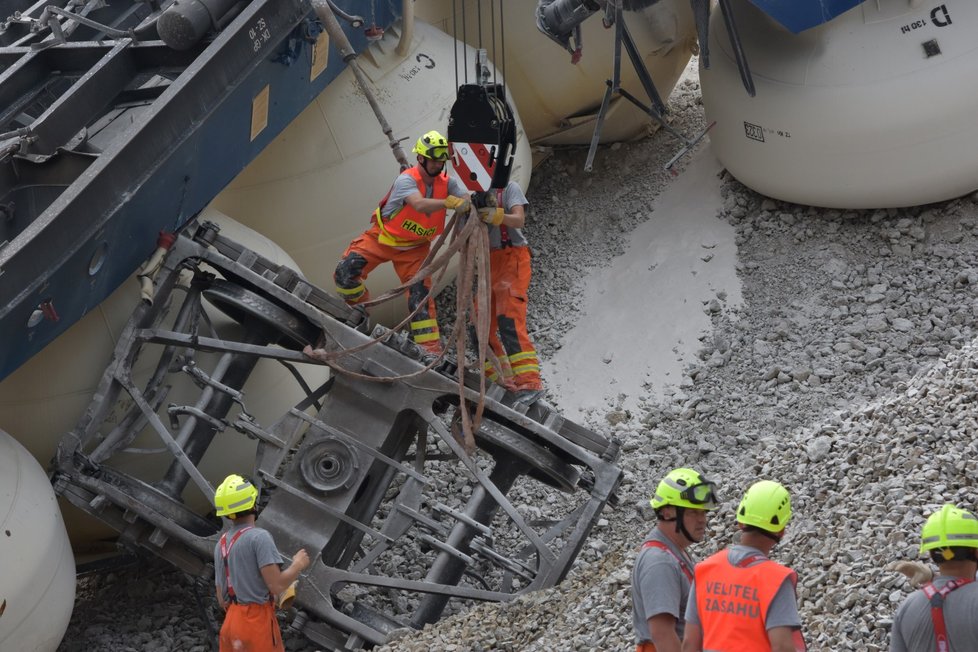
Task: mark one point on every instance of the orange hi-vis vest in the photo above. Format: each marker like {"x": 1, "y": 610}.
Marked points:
{"x": 732, "y": 601}
{"x": 407, "y": 227}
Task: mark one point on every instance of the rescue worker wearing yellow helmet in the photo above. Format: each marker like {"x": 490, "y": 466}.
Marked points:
{"x": 247, "y": 575}
{"x": 406, "y": 220}
{"x": 740, "y": 600}
{"x": 942, "y": 614}
{"x": 663, "y": 568}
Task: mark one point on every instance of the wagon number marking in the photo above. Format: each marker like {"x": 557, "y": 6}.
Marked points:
{"x": 259, "y": 34}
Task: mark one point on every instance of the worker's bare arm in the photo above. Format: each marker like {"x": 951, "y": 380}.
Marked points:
{"x": 693, "y": 638}
{"x": 277, "y": 580}
{"x": 663, "y": 629}
{"x": 515, "y": 218}
{"x": 781, "y": 639}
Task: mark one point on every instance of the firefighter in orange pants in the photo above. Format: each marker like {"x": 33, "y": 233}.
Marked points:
{"x": 247, "y": 573}
{"x": 405, "y": 222}
{"x": 509, "y": 267}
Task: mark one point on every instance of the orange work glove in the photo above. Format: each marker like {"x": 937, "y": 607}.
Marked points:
{"x": 493, "y": 216}
{"x": 458, "y": 204}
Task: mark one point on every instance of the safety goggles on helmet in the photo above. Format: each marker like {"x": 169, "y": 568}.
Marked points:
{"x": 432, "y": 145}
{"x": 701, "y": 494}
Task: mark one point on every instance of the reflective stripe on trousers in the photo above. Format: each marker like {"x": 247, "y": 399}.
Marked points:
{"x": 510, "y": 270}
{"x": 363, "y": 255}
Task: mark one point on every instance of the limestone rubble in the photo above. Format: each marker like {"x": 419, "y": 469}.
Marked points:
{"x": 848, "y": 374}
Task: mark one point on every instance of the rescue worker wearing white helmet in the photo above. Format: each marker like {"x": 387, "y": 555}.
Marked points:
{"x": 247, "y": 575}
{"x": 741, "y": 601}
{"x": 663, "y": 568}
{"x": 942, "y": 614}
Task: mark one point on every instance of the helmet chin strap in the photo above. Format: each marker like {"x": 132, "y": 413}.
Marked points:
{"x": 424, "y": 164}
{"x": 681, "y": 524}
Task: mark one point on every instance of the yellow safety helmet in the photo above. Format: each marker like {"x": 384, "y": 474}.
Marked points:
{"x": 952, "y": 527}
{"x": 235, "y": 495}
{"x": 685, "y": 488}
{"x": 432, "y": 145}
{"x": 766, "y": 505}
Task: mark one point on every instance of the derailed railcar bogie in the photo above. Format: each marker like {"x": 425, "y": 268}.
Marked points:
{"x": 367, "y": 473}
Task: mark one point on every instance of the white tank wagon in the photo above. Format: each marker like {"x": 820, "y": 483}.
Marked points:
{"x": 38, "y": 587}
{"x": 873, "y": 109}
{"x": 559, "y": 100}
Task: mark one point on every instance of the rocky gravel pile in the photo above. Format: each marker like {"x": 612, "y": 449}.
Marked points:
{"x": 848, "y": 374}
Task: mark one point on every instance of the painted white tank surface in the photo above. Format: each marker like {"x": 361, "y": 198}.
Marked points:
{"x": 37, "y": 590}
{"x": 45, "y": 398}
{"x": 875, "y": 109}
{"x": 314, "y": 188}
{"x": 558, "y": 100}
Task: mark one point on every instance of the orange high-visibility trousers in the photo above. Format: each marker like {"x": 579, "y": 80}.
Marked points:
{"x": 510, "y": 271}
{"x": 251, "y": 628}
{"x": 363, "y": 255}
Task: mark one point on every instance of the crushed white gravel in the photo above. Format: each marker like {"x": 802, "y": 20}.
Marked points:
{"x": 844, "y": 369}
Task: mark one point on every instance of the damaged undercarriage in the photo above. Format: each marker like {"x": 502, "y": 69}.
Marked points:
{"x": 355, "y": 473}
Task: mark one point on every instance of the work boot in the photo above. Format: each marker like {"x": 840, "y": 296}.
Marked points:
{"x": 528, "y": 397}
{"x": 430, "y": 351}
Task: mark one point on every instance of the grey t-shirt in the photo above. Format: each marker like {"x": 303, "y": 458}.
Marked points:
{"x": 659, "y": 586}
{"x": 405, "y": 186}
{"x": 512, "y": 196}
{"x": 913, "y": 629}
{"x": 783, "y": 611}
{"x": 252, "y": 550}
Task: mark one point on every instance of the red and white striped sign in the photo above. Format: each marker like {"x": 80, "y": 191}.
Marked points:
{"x": 474, "y": 163}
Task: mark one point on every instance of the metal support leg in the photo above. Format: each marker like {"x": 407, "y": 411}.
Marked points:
{"x": 690, "y": 143}
{"x": 624, "y": 37}
{"x": 596, "y": 136}
{"x": 641, "y": 70}
{"x": 738, "y": 48}
{"x": 613, "y": 87}
{"x": 701, "y": 16}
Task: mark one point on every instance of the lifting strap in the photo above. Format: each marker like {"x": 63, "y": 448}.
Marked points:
{"x": 936, "y": 598}
{"x": 683, "y": 566}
